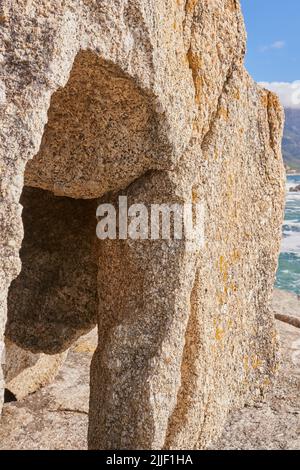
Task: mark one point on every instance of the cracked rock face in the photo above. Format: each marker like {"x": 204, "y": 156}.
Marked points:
{"x": 149, "y": 100}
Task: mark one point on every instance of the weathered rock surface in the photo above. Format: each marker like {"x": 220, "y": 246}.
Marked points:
{"x": 26, "y": 372}
{"x": 152, "y": 101}
{"x": 56, "y": 416}
{"x": 274, "y": 423}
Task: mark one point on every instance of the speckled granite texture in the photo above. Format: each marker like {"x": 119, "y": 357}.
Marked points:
{"x": 148, "y": 99}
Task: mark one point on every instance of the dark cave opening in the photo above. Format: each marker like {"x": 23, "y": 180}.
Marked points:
{"x": 54, "y": 299}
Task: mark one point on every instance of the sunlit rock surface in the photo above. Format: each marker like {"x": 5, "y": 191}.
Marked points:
{"x": 149, "y": 100}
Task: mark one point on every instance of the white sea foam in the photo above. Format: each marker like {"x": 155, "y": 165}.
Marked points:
{"x": 291, "y": 243}
{"x": 291, "y": 224}
{"x": 293, "y": 197}
{"x": 291, "y": 184}
{"x": 288, "y": 276}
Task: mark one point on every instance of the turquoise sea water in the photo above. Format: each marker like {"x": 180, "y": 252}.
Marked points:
{"x": 288, "y": 274}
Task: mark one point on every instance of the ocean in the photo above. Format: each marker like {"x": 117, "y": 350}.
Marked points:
{"x": 288, "y": 274}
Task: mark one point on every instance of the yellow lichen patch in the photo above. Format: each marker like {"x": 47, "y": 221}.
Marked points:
{"x": 224, "y": 268}
{"x": 246, "y": 363}
{"x": 233, "y": 287}
{"x": 274, "y": 101}
{"x": 256, "y": 362}
{"x": 223, "y": 263}
{"x": 222, "y": 298}
{"x": 223, "y": 113}
{"x": 219, "y": 334}
{"x": 194, "y": 60}
{"x": 190, "y": 5}
{"x": 264, "y": 99}
{"x": 266, "y": 382}
{"x": 177, "y": 26}
{"x": 229, "y": 287}
{"x": 236, "y": 94}
{"x": 235, "y": 256}
{"x": 228, "y": 195}
{"x": 225, "y": 276}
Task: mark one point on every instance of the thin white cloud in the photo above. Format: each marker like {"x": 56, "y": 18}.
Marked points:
{"x": 276, "y": 45}
{"x": 289, "y": 93}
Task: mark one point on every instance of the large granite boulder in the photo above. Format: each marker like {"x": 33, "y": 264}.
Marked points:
{"x": 148, "y": 100}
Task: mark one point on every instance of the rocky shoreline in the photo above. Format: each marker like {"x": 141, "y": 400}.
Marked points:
{"x": 56, "y": 417}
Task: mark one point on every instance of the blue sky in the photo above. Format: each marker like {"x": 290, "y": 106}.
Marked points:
{"x": 273, "y": 28}
{"x": 273, "y": 56}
